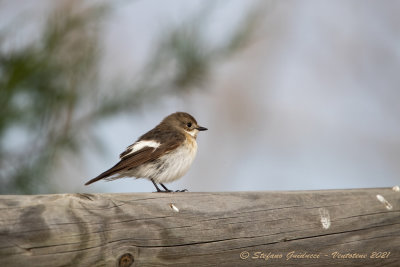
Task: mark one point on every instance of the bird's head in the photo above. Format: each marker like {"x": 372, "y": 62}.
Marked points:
{"x": 184, "y": 122}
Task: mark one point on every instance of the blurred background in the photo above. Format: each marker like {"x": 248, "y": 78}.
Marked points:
{"x": 296, "y": 95}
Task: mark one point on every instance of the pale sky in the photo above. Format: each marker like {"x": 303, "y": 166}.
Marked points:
{"x": 312, "y": 103}
{"x": 302, "y": 108}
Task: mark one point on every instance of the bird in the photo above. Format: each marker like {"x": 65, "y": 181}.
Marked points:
{"x": 162, "y": 155}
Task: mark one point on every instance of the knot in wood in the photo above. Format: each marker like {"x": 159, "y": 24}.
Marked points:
{"x": 126, "y": 260}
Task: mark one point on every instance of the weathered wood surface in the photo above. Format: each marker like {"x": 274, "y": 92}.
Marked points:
{"x": 202, "y": 229}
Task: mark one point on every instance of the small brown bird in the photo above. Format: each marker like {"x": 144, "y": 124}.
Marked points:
{"x": 162, "y": 155}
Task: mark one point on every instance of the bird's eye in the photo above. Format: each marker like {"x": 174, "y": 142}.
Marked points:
{"x": 189, "y": 124}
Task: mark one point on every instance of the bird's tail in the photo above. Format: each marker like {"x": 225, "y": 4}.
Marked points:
{"x": 105, "y": 174}
{"x": 101, "y": 176}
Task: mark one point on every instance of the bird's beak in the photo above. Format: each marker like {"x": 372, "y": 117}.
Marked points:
{"x": 201, "y": 128}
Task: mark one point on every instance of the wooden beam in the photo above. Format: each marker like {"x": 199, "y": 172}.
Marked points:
{"x": 321, "y": 228}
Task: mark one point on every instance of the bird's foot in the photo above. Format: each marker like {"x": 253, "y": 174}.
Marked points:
{"x": 172, "y": 191}
{"x": 165, "y": 191}
{"x": 183, "y": 190}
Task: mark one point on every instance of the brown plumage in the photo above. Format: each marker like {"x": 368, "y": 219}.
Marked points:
{"x": 153, "y": 151}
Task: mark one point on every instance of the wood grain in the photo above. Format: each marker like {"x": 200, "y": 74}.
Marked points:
{"x": 202, "y": 229}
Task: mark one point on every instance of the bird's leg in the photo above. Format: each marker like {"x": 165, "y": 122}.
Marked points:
{"x": 158, "y": 189}
{"x": 184, "y": 190}
{"x": 166, "y": 189}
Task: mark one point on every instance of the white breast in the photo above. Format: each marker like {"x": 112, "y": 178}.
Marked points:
{"x": 171, "y": 166}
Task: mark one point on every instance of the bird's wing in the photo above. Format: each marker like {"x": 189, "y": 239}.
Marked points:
{"x": 127, "y": 151}
{"x": 137, "y": 146}
{"x": 154, "y": 138}
{"x": 131, "y": 158}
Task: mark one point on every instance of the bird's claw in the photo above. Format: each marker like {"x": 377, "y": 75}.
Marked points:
{"x": 171, "y": 191}
{"x": 183, "y": 190}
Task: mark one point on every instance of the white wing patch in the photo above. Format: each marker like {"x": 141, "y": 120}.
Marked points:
{"x": 141, "y": 144}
